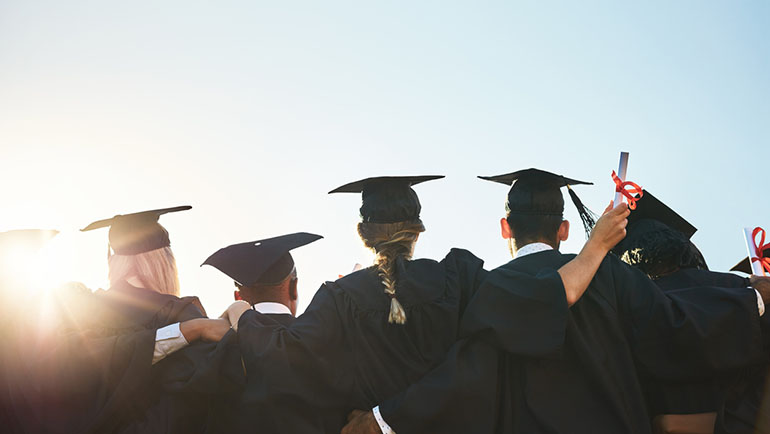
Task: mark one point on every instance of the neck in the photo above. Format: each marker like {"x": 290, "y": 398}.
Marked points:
{"x": 518, "y": 245}
{"x": 284, "y": 301}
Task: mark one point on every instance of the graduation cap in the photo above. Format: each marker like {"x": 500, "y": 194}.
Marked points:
{"x": 140, "y": 232}
{"x": 650, "y": 207}
{"x": 387, "y": 199}
{"x": 658, "y": 239}
{"x": 745, "y": 265}
{"x": 537, "y": 192}
{"x": 264, "y": 262}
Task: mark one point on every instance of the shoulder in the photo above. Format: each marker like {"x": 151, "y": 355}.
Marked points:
{"x": 190, "y": 307}
{"x": 462, "y": 258}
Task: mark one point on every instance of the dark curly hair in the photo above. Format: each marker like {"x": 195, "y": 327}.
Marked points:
{"x": 658, "y": 250}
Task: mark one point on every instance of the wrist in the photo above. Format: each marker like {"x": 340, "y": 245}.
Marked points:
{"x": 594, "y": 250}
{"x": 191, "y": 329}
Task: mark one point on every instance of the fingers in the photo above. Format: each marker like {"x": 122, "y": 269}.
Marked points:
{"x": 621, "y": 210}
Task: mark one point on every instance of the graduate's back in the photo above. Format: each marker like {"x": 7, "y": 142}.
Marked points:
{"x": 368, "y": 335}
{"x": 343, "y": 353}
{"x": 622, "y": 325}
{"x": 94, "y": 374}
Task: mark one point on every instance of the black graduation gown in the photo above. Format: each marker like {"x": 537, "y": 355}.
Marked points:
{"x": 697, "y": 396}
{"x": 98, "y": 376}
{"x": 253, "y": 409}
{"x": 462, "y": 394}
{"x": 342, "y": 354}
{"x": 623, "y": 323}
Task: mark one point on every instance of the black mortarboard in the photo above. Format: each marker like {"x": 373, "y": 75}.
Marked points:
{"x": 387, "y": 199}
{"x": 537, "y": 192}
{"x": 262, "y": 262}
{"x": 649, "y": 207}
{"x": 745, "y": 265}
{"x": 131, "y": 234}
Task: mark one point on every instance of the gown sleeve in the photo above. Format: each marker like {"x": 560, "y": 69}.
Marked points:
{"x": 512, "y": 311}
{"x": 689, "y": 333}
{"x": 467, "y": 271}
{"x": 458, "y": 396}
{"x": 306, "y": 362}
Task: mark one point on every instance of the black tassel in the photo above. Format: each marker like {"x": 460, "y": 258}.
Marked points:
{"x": 586, "y": 215}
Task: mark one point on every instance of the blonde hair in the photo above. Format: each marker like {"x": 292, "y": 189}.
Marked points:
{"x": 156, "y": 270}
{"x": 391, "y": 241}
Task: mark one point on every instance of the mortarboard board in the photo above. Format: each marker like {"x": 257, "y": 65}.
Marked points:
{"x": 140, "y": 232}
{"x": 745, "y": 265}
{"x": 263, "y": 262}
{"x": 537, "y": 192}
{"x": 650, "y": 207}
{"x": 387, "y": 199}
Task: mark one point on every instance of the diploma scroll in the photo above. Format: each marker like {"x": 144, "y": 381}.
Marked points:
{"x": 756, "y": 266}
{"x": 622, "y": 170}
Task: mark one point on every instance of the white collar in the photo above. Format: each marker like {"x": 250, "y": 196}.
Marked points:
{"x": 532, "y": 248}
{"x": 270, "y": 307}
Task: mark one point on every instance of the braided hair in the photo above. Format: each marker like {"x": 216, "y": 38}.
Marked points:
{"x": 393, "y": 243}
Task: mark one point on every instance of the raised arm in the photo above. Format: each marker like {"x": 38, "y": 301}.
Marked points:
{"x": 577, "y": 274}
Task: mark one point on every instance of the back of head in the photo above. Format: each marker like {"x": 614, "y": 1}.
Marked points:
{"x": 273, "y": 289}
{"x": 534, "y": 211}
{"x": 142, "y": 251}
{"x": 657, "y": 249}
{"x": 390, "y": 224}
{"x": 391, "y": 243}
{"x": 535, "y": 205}
{"x": 155, "y": 269}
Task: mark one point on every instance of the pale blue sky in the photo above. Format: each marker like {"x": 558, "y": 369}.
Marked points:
{"x": 252, "y": 111}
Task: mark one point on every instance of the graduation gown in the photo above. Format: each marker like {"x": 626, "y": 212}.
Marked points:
{"x": 588, "y": 384}
{"x": 97, "y": 376}
{"x": 695, "y": 396}
{"x": 342, "y": 354}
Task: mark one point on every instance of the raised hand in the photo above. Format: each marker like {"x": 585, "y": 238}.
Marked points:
{"x": 234, "y": 312}
{"x": 610, "y": 229}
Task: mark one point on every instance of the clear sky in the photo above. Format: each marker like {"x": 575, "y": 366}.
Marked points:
{"x": 251, "y": 111}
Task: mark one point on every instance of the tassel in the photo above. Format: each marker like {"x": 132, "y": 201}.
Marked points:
{"x": 397, "y": 314}
{"x": 587, "y": 216}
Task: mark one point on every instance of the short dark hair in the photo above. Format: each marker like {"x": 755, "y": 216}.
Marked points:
{"x": 531, "y": 228}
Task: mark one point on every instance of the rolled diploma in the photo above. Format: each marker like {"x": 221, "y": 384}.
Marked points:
{"x": 622, "y": 169}
{"x": 756, "y": 267}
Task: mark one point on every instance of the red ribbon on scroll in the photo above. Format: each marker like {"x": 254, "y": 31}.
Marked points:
{"x": 760, "y": 249}
{"x": 622, "y": 187}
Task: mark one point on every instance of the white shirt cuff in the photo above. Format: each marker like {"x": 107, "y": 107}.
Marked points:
{"x": 384, "y": 427}
{"x": 168, "y": 340}
{"x": 760, "y": 303}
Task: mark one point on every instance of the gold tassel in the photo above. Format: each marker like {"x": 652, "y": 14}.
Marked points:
{"x": 397, "y": 314}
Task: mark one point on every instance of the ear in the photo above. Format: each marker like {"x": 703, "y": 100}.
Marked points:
{"x": 505, "y": 229}
{"x": 563, "y": 233}
{"x": 237, "y": 295}
{"x": 293, "y": 289}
